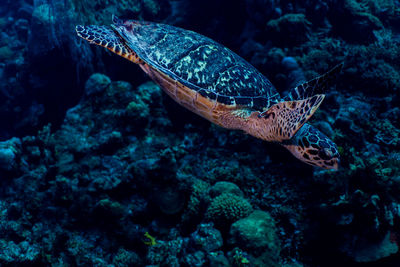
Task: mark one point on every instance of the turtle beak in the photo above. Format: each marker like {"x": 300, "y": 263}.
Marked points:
{"x": 336, "y": 164}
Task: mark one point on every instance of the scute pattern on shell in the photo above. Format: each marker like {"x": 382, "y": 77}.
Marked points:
{"x": 199, "y": 63}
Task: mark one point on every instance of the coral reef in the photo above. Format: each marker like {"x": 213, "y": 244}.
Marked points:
{"x": 228, "y": 208}
{"x": 257, "y": 235}
{"x": 99, "y": 167}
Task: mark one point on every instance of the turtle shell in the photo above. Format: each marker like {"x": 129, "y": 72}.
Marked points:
{"x": 199, "y": 63}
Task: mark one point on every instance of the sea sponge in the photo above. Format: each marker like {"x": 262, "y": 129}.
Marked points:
{"x": 228, "y": 208}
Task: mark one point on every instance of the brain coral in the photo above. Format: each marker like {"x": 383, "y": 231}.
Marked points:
{"x": 228, "y": 208}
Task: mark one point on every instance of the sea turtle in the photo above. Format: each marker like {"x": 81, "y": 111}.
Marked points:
{"x": 215, "y": 83}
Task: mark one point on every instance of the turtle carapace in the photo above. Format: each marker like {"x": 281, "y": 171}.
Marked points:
{"x": 215, "y": 83}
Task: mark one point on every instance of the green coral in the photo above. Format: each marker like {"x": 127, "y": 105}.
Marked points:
{"x": 382, "y": 77}
{"x": 96, "y": 83}
{"x": 193, "y": 209}
{"x": 6, "y": 53}
{"x": 225, "y": 187}
{"x": 165, "y": 253}
{"x": 126, "y": 258}
{"x": 144, "y": 98}
{"x": 138, "y": 109}
{"x": 110, "y": 208}
{"x": 100, "y": 11}
{"x": 361, "y": 12}
{"x": 152, "y": 7}
{"x": 257, "y": 235}
{"x": 22, "y": 253}
{"x": 10, "y": 151}
{"x": 289, "y": 29}
{"x": 228, "y": 208}
{"x": 386, "y": 133}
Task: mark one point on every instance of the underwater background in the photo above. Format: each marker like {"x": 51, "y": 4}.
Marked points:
{"x": 99, "y": 167}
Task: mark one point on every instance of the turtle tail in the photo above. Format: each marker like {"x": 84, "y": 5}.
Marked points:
{"x": 105, "y": 36}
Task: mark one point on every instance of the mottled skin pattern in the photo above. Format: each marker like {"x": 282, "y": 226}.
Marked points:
{"x": 309, "y": 144}
{"x": 313, "y": 147}
{"x": 276, "y": 124}
{"x": 199, "y": 63}
{"x": 105, "y": 36}
{"x": 206, "y": 78}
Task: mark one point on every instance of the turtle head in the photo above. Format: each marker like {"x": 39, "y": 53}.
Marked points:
{"x": 313, "y": 147}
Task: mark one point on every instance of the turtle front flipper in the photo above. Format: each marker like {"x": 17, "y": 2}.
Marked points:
{"x": 282, "y": 120}
{"x": 317, "y": 85}
{"x": 105, "y": 36}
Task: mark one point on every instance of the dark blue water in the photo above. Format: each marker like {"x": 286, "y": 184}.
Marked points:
{"x": 100, "y": 167}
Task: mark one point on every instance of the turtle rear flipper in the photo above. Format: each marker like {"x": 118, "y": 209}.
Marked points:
{"x": 284, "y": 119}
{"x": 315, "y": 86}
{"x": 106, "y": 37}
